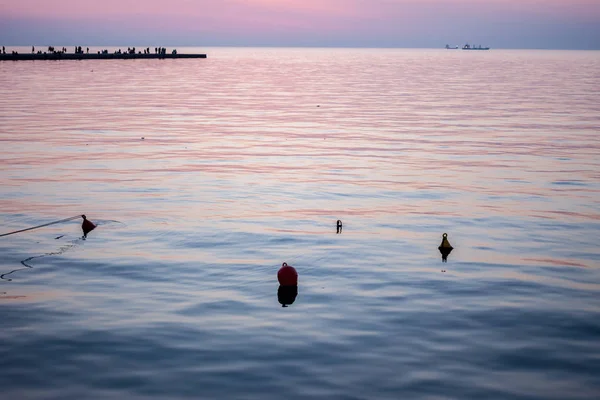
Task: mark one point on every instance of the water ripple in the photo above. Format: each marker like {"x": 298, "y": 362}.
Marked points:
{"x": 219, "y": 170}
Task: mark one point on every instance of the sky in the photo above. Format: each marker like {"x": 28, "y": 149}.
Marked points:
{"x": 543, "y": 24}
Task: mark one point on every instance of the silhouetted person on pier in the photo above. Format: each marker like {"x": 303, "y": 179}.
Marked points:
{"x": 32, "y": 49}
{"x": 3, "y": 50}
{"x": 88, "y": 50}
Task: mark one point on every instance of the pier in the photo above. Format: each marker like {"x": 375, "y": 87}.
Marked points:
{"x": 94, "y": 56}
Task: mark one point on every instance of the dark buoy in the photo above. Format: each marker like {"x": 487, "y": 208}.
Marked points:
{"x": 287, "y": 275}
{"x": 286, "y": 295}
{"x": 339, "y": 226}
{"x": 445, "y": 247}
{"x": 87, "y": 226}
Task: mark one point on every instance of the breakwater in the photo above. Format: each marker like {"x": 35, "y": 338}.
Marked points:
{"x": 94, "y": 56}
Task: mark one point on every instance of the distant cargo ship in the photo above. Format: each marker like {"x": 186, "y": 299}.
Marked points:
{"x": 469, "y": 47}
{"x": 448, "y": 47}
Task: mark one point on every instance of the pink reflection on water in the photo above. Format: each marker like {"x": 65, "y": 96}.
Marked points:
{"x": 400, "y": 133}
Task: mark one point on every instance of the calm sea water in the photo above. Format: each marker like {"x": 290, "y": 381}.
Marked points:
{"x": 205, "y": 175}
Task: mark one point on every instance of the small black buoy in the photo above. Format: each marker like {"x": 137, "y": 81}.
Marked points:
{"x": 143, "y": 138}
{"x": 445, "y": 248}
{"x": 339, "y": 226}
{"x": 87, "y": 226}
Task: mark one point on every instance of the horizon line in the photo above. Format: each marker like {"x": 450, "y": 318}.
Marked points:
{"x": 442, "y": 47}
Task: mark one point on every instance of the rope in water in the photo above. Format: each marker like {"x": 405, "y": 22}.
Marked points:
{"x": 41, "y": 226}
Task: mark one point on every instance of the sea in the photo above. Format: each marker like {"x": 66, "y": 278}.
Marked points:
{"x": 204, "y": 176}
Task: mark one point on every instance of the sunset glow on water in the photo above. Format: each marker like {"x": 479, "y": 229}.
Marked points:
{"x": 204, "y": 176}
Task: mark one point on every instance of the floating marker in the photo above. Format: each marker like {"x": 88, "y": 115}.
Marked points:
{"x": 445, "y": 243}
{"x": 339, "y": 226}
{"x": 87, "y": 226}
{"x": 287, "y": 275}
{"x": 445, "y": 248}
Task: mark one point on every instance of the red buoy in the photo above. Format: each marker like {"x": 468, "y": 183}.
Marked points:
{"x": 87, "y": 226}
{"x": 287, "y": 275}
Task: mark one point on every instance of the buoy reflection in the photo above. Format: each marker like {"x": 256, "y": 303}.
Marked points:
{"x": 286, "y": 295}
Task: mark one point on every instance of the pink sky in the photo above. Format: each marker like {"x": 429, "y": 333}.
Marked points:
{"x": 403, "y": 23}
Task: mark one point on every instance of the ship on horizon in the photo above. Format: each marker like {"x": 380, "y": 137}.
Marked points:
{"x": 448, "y": 47}
{"x": 469, "y": 47}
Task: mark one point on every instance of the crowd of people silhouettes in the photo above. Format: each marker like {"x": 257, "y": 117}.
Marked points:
{"x": 80, "y": 50}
